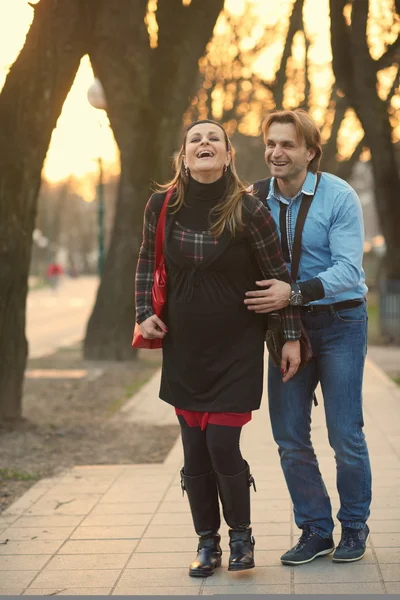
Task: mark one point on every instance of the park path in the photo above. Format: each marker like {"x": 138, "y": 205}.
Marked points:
{"x": 57, "y": 318}
{"x": 125, "y": 529}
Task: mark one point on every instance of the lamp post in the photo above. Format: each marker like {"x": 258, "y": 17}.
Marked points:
{"x": 97, "y": 99}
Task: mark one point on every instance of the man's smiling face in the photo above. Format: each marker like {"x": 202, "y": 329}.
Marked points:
{"x": 286, "y": 156}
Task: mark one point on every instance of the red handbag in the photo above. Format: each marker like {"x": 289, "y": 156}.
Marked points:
{"x": 159, "y": 289}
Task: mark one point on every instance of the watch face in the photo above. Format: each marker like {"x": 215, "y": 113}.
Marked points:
{"x": 296, "y": 300}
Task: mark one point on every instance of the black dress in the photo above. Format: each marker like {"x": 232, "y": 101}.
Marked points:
{"x": 213, "y": 351}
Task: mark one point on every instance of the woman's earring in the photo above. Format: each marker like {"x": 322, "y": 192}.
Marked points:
{"x": 225, "y": 168}
{"x": 186, "y": 168}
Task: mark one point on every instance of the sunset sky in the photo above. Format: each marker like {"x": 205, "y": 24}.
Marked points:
{"x": 82, "y": 132}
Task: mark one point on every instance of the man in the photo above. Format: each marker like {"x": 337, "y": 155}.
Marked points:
{"x": 331, "y": 291}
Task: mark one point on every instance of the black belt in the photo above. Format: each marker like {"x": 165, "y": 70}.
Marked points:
{"x": 331, "y": 308}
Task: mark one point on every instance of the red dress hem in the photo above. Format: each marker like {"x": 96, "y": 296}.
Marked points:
{"x": 201, "y": 419}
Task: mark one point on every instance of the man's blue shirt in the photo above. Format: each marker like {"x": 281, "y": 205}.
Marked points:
{"x": 333, "y": 236}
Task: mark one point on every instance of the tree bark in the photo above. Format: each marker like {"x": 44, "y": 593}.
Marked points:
{"x": 30, "y": 104}
{"x": 147, "y": 91}
{"x": 356, "y": 75}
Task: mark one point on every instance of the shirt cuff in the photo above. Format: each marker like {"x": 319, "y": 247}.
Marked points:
{"x": 311, "y": 290}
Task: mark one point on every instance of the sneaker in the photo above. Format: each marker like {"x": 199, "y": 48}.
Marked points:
{"x": 352, "y": 545}
{"x": 310, "y": 546}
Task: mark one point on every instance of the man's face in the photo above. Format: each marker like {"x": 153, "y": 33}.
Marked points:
{"x": 286, "y": 156}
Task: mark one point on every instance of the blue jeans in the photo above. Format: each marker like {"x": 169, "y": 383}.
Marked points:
{"x": 339, "y": 343}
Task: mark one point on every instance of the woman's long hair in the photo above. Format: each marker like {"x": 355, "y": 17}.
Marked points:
{"x": 228, "y": 212}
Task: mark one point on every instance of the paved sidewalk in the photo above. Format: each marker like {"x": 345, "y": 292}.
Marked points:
{"x": 126, "y": 529}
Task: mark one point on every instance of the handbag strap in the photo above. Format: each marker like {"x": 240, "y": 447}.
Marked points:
{"x": 301, "y": 218}
{"x": 160, "y": 230}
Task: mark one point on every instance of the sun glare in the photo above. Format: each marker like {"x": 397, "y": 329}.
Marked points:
{"x": 83, "y": 133}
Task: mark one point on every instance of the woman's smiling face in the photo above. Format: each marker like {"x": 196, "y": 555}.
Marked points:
{"x": 206, "y": 154}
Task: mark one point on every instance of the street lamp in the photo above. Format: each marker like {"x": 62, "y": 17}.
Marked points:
{"x": 97, "y": 99}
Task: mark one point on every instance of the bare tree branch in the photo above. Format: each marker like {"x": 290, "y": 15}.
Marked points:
{"x": 392, "y": 55}
{"x": 295, "y": 25}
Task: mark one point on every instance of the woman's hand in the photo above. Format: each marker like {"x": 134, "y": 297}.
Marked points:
{"x": 152, "y": 328}
{"x": 290, "y": 360}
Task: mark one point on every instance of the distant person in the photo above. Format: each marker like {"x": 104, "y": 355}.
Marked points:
{"x": 53, "y": 273}
{"x": 218, "y": 241}
{"x": 330, "y": 292}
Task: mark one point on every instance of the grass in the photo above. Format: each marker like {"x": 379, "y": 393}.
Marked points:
{"x": 15, "y": 475}
{"x": 396, "y": 380}
{"x": 129, "y": 391}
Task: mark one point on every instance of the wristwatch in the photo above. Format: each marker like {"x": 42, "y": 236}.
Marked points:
{"x": 296, "y": 297}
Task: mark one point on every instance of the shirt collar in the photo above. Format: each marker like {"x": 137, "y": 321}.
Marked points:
{"x": 308, "y": 187}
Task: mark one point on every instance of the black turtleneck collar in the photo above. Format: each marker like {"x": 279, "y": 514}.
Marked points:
{"x": 206, "y": 191}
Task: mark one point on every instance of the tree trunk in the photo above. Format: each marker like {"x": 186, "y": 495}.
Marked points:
{"x": 30, "y": 104}
{"x": 147, "y": 91}
{"x": 356, "y": 75}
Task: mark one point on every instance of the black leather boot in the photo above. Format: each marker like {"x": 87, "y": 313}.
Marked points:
{"x": 234, "y": 491}
{"x": 202, "y": 493}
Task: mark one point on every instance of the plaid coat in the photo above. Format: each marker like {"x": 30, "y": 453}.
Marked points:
{"x": 260, "y": 231}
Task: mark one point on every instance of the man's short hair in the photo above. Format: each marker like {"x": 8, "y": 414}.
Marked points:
{"x": 306, "y": 129}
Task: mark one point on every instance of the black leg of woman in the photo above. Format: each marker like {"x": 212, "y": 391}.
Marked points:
{"x": 234, "y": 480}
{"x": 198, "y": 480}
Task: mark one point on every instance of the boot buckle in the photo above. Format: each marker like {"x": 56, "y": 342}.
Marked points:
{"x": 252, "y": 482}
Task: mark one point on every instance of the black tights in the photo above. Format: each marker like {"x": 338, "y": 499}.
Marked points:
{"x": 216, "y": 448}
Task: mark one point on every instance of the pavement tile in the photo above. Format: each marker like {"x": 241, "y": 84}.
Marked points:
{"x": 57, "y": 591}
{"x": 79, "y": 488}
{"x": 113, "y": 532}
{"x": 167, "y": 545}
{"x": 385, "y": 540}
{"x": 75, "y": 562}
{"x": 383, "y": 492}
{"x": 125, "y": 508}
{"x": 37, "y": 533}
{"x": 271, "y": 528}
{"x": 385, "y": 514}
{"x": 384, "y": 526}
{"x": 181, "y": 505}
{"x": 385, "y": 502}
{"x": 13, "y": 579}
{"x": 392, "y": 588}
{"x": 270, "y": 505}
{"x": 246, "y": 589}
{"x": 153, "y": 560}
{"x": 390, "y": 572}
{"x": 67, "y": 505}
{"x": 98, "y": 547}
{"x": 32, "y": 547}
{"x": 324, "y": 571}
{"x": 88, "y": 578}
{"x": 388, "y": 555}
{"x": 339, "y": 588}
{"x": 116, "y": 520}
{"x": 273, "y": 542}
{"x": 157, "y": 577}
{"x": 172, "y": 519}
{"x": 23, "y": 562}
{"x": 10, "y": 591}
{"x": 259, "y": 515}
{"x": 257, "y": 576}
{"x": 48, "y": 521}
{"x": 168, "y": 531}
{"x": 115, "y": 497}
{"x": 6, "y": 521}
{"x": 128, "y": 590}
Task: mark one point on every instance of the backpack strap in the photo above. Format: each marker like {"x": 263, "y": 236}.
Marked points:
{"x": 261, "y": 190}
{"x": 301, "y": 218}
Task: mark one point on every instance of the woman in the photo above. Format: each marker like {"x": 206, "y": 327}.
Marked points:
{"x": 218, "y": 241}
